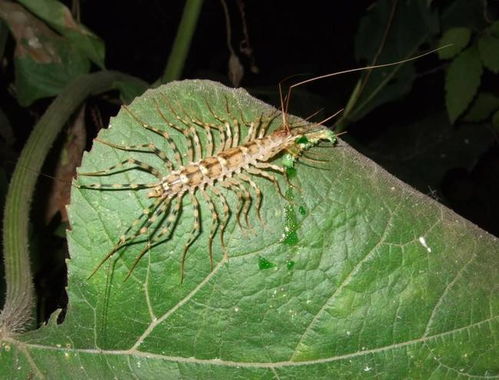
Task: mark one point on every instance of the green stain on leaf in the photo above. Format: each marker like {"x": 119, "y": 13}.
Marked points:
{"x": 301, "y": 140}
{"x": 291, "y": 172}
{"x": 302, "y": 210}
{"x": 290, "y": 227}
{"x": 290, "y": 237}
{"x": 290, "y": 264}
{"x": 263, "y": 263}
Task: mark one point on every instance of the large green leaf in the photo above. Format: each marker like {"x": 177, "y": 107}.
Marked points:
{"x": 378, "y": 280}
{"x": 462, "y": 81}
{"x": 457, "y": 38}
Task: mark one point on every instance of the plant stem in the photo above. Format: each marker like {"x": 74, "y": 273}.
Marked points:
{"x": 182, "y": 42}
{"x": 18, "y": 312}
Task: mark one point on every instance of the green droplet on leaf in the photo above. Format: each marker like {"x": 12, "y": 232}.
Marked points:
{"x": 301, "y": 140}
{"x": 291, "y": 238}
{"x": 263, "y": 263}
{"x": 302, "y": 210}
{"x": 290, "y": 264}
{"x": 291, "y": 172}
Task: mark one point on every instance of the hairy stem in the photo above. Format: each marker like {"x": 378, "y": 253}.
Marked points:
{"x": 182, "y": 41}
{"x": 18, "y": 312}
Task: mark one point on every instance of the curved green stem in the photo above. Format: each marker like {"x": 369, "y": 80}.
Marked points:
{"x": 182, "y": 42}
{"x": 18, "y": 312}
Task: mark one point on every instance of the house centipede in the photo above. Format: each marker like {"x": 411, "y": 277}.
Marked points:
{"x": 218, "y": 158}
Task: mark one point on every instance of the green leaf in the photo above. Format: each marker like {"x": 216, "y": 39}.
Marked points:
{"x": 462, "y": 81}
{"x": 44, "y": 62}
{"x": 483, "y": 106}
{"x": 58, "y": 16}
{"x": 458, "y": 38}
{"x": 35, "y": 80}
{"x": 381, "y": 280}
{"x": 412, "y": 24}
{"x": 488, "y": 46}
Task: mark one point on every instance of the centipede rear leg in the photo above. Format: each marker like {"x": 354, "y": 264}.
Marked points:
{"x": 193, "y": 234}
{"x": 161, "y": 234}
{"x": 226, "y": 217}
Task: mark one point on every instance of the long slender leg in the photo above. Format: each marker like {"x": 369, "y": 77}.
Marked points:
{"x": 172, "y": 145}
{"x": 117, "y": 186}
{"x": 266, "y": 165}
{"x": 244, "y": 198}
{"x": 228, "y": 132}
{"x": 209, "y": 136}
{"x": 240, "y": 198}
{"x": 252, "y": 128}
{"x": 159, "y": 207}
{"x": 215, "y": 221}
{"x": 143, "y": 148}
{"x": 258, "y": 193}
{"x": 208, "y": 127}
{"x": 163, "y": 235}
{"x": 158, "y": 131}
{"x": 237, "y": 132}
{"x": 186, "y": 132}
{"x": 268, "y": 176}
{"x": 265, "y": 126}
{"x": 193, "y": 235}
{"x": 226, "y": 217}
{"x": 235, "y": 123}
{"x": 139, "y": 165}
{"x": 277, "y": 168}
{"x": 194, "y": 149}
{"x": 249, "y": 125}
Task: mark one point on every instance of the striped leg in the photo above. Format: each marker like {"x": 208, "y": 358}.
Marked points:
{"x": 270, "y": 177}
{"x": 258, "y": 193}
{"x": 226, "y": 217}
{"x": 266, "y": 124}
{"x": 235, "y": 123}
{"x": 188, "y": 133}
{"x": 276, "y": 168}
{"x": 207, "y": 127}
{"x": 210, "y": 145}
{"x": 159, "y": 132}
{"x": 244, "y": 197}
{"x": 143, "y": 148}
{"x": 121, "y": 166}
{"x": 227, "y": 128}
{"x": 253, "y": 129}
{"x": 117, "y": 186}
{"x": 163, "y": 235}
{"x": 266, "y": 166}
{"x": 215, "y": 221}
{"x": 193, "y": 235}
{"x": 159, "y": 207}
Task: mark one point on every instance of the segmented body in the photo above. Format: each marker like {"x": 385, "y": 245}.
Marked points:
{"x": 226, "y": 164}
{"x": 229, "y": 167}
